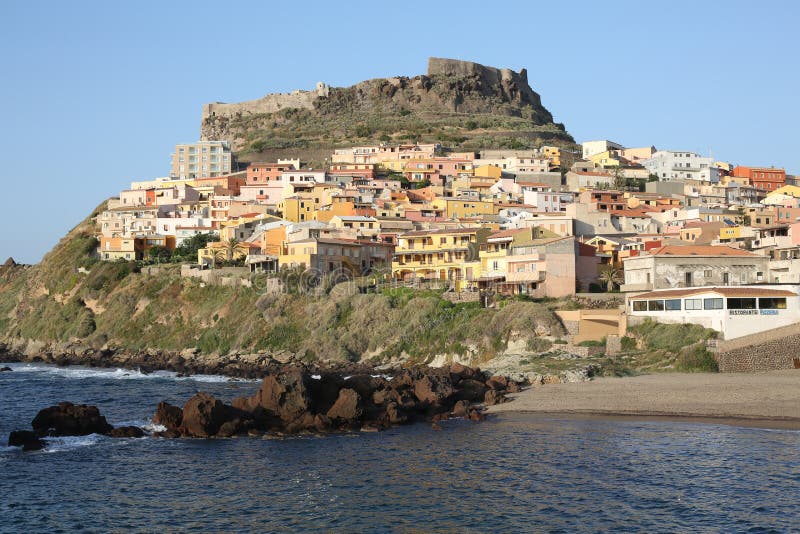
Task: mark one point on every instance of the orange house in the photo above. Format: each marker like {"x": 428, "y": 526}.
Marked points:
{"x": 767, "y": 179}
{"x": 262, "y": 173}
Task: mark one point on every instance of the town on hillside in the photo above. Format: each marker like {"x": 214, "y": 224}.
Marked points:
{"x": 683, "y": 237}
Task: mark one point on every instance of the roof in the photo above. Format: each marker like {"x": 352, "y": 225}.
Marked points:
{"x": 728, "y": 292}
{"x": 420, "y": 233}
{"x": 506, "y": 233}
{"x": 700, "y": 250}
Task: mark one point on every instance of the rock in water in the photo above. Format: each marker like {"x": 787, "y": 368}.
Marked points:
{"x": 5, "y": 369}
{"x": 127, "y": 432}
{"x": 347, "y": 407}
{"x": 168, "y": 415}
{"x": 67, "y": 419}
{"x": 26, "y": 439}
{"x": 202, "y": 416}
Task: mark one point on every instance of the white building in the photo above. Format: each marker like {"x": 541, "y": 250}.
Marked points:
{"x": 203, "y": 159}
{"x": 543, "y": 201}
{"x": 670, "y": 165}
{"x": 590, "y": 148}
{"x": 732, "y": 311}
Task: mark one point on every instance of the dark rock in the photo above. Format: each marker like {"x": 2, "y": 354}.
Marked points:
{"x": 284, "y": 395}
{"x": 513, "y": 387}
{"x": 230, "y": 428}
{"x": 127, "y": 432}
{"x": 470, "y": 390}
{"x": 26, "y": 439}
{"x": 10, "y": 262}
{"x": 476, "y": 415}
{"x": 67, "y": 419}
{"x": 432, "y": 389}
{"x": 461, "y": 409}
{"x": 394, "y": 414}
{"x": 493, "y": 397}
{"x": 498, "y": 383}
{"x": 203, "y": 415}
{"x": 347, "y": 407}
{"x": 168, "y": 415}
{"x": 5, "y": 369}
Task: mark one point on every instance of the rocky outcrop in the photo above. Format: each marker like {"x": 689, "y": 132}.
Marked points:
{"x": 450, "y": 86}
{"x": 295, "y": 400}
{"x": 26, "y": 439}
{"x": 68, "y": 419}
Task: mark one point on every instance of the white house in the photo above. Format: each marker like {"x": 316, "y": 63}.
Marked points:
{"x": 590, "y": 148}
{"x": 732, "y": 311}
{"x": 672, "y": 165}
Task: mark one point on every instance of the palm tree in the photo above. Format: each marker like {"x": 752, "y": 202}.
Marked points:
{"x": 611, "y": 276}
{"x": 230, "y": 248}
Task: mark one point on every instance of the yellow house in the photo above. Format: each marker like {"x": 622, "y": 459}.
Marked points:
{"x": 463, "y": 208}
{"x": 488, "y": 171}
{"x": 297, "y": 208}
{"x": 552, "y": 153}
{"x": 605, "y": 159}
{"x": 321, "y": 256}
{"x": 224, "y": 250}
{"x": 788, "y": 190}
{"x": 447, "y": 254}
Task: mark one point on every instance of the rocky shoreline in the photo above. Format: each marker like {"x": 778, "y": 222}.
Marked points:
{"x": 292, "y": 398}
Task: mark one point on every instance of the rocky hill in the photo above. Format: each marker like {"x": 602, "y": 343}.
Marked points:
{"x": 458, "y": 103}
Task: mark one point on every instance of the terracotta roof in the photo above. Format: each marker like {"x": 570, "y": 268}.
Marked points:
{"x": 724, "y": 291}
{"x": 419, "y": 233}
{"x": 699, "y": 250}
{"x": 506, "y": 233}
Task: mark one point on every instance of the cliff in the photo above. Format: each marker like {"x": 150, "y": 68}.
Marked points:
{"x": 458, "y": 103}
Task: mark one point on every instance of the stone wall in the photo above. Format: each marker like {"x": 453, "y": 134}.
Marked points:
{"x": 765, "y": 351}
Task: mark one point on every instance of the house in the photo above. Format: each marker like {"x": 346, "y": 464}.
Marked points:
{"x": 767, "y": 179}
{"x": 590, "y": 148}
{"x": 445, "y": 254}
{"x": 368, "y": 227}
{"x": 203, "y": 159}
{"x": 732, "y": 311}
{"x": 320, "y": 256}
{"x": 682, "y": 165}
{"x": 675, "y": 266}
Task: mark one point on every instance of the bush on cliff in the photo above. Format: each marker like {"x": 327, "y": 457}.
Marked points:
{"x": 696, "y": 359}
{"x": 670, "y": 337}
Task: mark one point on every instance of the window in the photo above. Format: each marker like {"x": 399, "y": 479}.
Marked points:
{"x": 687, "y": 278}
{"x": 655, "y": 305}
{"x": 712, "y": 304}
{"x": 741, "y": 304}
{"x": 772, "y": 303}
{"x": 639, "y": 305}
{"x": 707, "y": 273}
{"x": 673, "y": 304}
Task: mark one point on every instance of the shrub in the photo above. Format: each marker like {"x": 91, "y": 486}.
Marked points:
{"x": 671, "y": 337}
{"x": 538, "y": 344}
{"x": 696, "y": 360}
{"x": 592, "y": 343}
{"x": 628, "y": 343}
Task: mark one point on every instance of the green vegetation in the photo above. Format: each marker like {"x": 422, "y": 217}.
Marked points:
{"x": 670, "y": 337}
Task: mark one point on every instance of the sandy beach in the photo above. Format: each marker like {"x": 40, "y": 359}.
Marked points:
{"x": 770, "y": 399}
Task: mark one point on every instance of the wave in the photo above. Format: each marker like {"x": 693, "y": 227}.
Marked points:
{"x": 66, "y": 443}
{"x": 80, "y": 372}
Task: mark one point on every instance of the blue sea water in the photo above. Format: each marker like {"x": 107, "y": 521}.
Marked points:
{"x": 512, "y": 473}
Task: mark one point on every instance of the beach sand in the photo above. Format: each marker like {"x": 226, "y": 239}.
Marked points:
{"x": 770, "y": 399}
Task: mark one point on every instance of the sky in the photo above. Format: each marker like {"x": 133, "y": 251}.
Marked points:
{"x": 97, "y": 94}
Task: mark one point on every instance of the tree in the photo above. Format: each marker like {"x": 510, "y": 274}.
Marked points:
{"x": 611, "y": 276}
{"x": 187, "y": 250}
{"x": 230, "y": 248}
{"x": 619, "y": 178}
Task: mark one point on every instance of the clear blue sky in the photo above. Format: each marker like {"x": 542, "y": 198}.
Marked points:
{"x": 96, "y": 94}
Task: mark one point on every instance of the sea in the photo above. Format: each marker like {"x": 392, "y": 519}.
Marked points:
{"x": 511, "y": 473}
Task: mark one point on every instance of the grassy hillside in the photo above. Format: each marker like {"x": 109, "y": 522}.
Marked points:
{"x": 71, "y": 296}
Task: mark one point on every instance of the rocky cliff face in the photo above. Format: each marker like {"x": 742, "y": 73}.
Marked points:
{"x": 455, "y": 102}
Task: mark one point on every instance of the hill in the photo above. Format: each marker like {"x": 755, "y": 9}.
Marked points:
{"x": 461, "y": 104}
